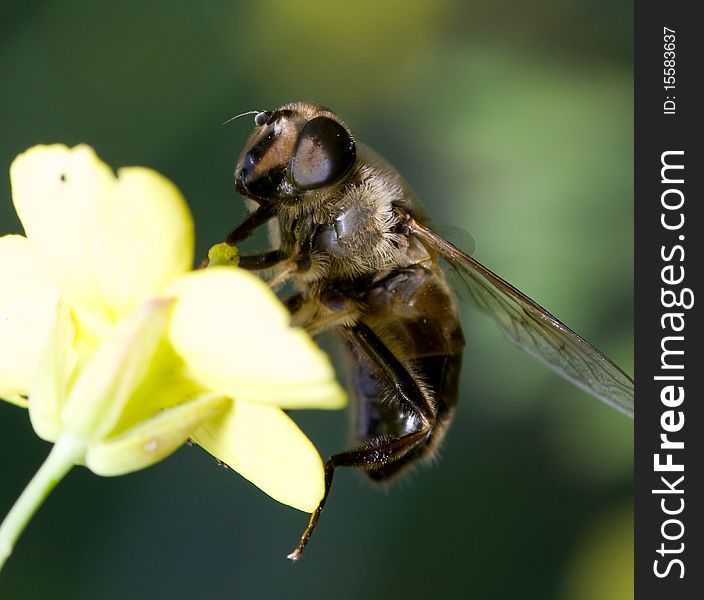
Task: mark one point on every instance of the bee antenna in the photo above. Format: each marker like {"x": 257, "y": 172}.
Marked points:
{"x": 244, "y": 114}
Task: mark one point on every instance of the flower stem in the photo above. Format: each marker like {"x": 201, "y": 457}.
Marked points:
{"x": 66, "y": 452}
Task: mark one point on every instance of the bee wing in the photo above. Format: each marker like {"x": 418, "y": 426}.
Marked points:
{"x": 534, "y": 329}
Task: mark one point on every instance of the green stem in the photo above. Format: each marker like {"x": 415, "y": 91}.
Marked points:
{"x": 67, "y": 451}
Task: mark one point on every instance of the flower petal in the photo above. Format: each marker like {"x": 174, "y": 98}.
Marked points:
{"x": 106, "y": 384}
{"x": 165, "y": 385}
{"x": 234, "y": 334}
{"x": 53, "y": 376}
{"x": 27, "y": 311}
{"x": 108, "y": 243}
{"x": 154, "y": 439}
{"x": 265, "y": 446}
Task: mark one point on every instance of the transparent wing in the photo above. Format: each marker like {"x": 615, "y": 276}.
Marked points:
{"x": 534, "y": 329}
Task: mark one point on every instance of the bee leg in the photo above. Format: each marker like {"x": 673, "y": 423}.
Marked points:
{"x": 378, "y": 453}
{"x": 266, "y": 260}
{"x": 255, "y": 262}
{"x": 383, "y": 450}
{"x": 314, "y": 318}
{"x": 406, "y": 389}
{"x": 283, "y": 274}
{"x": 247, "y": 227}
{"x": 294, "y": 303}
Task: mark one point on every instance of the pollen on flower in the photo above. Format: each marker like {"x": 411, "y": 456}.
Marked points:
{"x": 151, "y": 446}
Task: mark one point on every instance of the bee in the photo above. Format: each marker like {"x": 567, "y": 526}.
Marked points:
{"x": 351, "y": 237}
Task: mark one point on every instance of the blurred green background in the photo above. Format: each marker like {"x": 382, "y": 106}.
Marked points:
{"x": 512, "y": 120}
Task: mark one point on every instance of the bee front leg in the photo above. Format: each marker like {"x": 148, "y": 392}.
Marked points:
{"x": 246, "y": 228}
{"x": 265, "y": 260}
{"x": 285, "y": 267}
{"x": 382, "y": 450}
{"x": 252, "y": 222}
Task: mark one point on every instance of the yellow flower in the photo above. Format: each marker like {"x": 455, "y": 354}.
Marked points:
{"x": 122, "y": 353}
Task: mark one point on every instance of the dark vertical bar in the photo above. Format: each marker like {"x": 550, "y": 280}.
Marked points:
{"x": 669, "y": 358}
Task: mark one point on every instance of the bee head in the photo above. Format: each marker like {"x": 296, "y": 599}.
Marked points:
{"x": 293, "y": 150}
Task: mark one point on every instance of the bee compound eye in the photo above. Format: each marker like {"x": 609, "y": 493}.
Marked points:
{"x": 262, "y": 117}
{"x": 324, "y": 152}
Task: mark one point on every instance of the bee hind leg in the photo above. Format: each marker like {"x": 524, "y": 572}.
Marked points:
{"x": 364, "y": 458}
{"x": 383, "y": 450}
